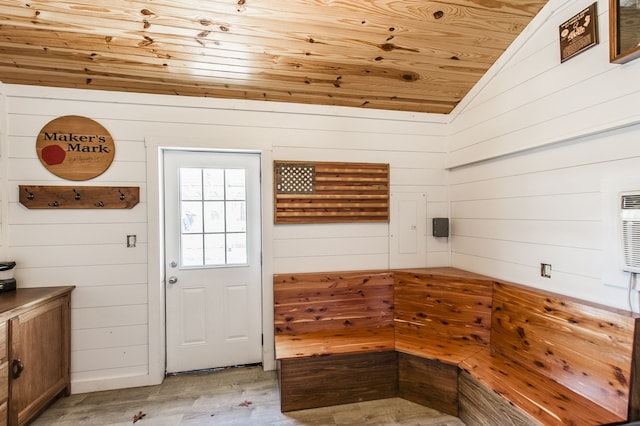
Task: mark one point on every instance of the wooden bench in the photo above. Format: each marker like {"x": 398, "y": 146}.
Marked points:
{"x": 337, "y": 335}
{"x": 334, "y": 338}
{"x": 442, "y": 316}
{"x": 489, "y": 352}
{"x": 552, "y": 360}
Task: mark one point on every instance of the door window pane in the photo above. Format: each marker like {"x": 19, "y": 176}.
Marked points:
{"x": 191, "y": 184}
{"x": 191, "y": 217}
{"x": 236, "y": 216}
{"x": 214, "y": 246}
{"x": 235, "y": 184}
{"x": 213, "y": 215}
{"x": 191, "y": 250}
{"x": 213, "y": 181}
{"x": 236, "y": 249}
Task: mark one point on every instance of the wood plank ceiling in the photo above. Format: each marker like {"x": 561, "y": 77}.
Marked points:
{"x": 405, "y": 55}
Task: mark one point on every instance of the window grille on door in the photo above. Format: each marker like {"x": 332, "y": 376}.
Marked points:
{"x": 213, "y": 217}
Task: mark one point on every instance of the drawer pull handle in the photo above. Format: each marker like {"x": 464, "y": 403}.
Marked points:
{"x": 16, "y": 368}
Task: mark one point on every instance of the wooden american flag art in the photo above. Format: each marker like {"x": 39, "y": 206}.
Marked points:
{"x": 324, "y": 192}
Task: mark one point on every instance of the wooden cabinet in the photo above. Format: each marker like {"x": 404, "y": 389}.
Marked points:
{"x": 34, "y": 351}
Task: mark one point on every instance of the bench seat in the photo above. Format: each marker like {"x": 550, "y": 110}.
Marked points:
{"x": 334, "y": 342}
{"x": 451, "y": 352}
{"x": 545, "y": 401}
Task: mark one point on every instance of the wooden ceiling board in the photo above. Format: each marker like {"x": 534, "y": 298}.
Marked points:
{"x": 405, "y": 55}
{"x": 438, "y": 36}
{"x": 95, "y": 47}
{"x": 223, "y": 61}
{"x": 66, "y": 81}
{"x": 155, "y": 72}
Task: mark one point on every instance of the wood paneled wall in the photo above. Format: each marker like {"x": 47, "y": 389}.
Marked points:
{"x": 110, "y": 309}
{"x": 548, "y": 204}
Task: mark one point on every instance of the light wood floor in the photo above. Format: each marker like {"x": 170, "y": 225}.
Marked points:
{"x": 238, "y": 396}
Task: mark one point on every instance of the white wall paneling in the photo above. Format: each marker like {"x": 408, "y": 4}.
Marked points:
{"x": 552, "y": 205}
{"x": 108, "y": 337}
{"x": 117, "y": 308}
{"x": 108, "y": 359}
{"x": 530, "y": 156}
{"x": 526, "y": 166}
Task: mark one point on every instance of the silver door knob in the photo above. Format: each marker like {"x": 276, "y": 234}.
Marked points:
{"x": 173, "y": 280}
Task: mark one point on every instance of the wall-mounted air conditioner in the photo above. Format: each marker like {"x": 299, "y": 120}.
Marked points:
{"x": 629, "y": 234}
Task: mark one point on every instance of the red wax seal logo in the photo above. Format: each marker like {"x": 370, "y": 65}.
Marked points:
{"x": 53, "y": 154}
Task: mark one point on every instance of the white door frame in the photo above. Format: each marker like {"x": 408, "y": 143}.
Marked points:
{"x": 155, "y": 218}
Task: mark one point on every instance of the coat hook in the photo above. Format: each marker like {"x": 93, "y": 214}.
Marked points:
{"x": 54, "y": 204}
{"x": 121, "y": 195}
{"x": 99, "y": 204}
{"x": 30, "y": 195}
{"x": 77, "y": 196}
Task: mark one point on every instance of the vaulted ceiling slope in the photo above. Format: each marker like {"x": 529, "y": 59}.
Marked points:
{"x": 405, "y": 55}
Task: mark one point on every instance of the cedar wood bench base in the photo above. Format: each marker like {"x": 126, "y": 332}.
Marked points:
{"x": 337, "y": 379}
{"x": 483, "y": 360}
{"x": 342, "y": 379}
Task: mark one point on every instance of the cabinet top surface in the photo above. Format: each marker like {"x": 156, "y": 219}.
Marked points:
{"x": 22, "y": 297}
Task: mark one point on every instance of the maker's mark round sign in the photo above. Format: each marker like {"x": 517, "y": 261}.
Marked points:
{"x": 75, "y": 148}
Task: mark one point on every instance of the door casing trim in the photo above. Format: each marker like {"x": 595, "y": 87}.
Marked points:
{"x": 155, "y": 269}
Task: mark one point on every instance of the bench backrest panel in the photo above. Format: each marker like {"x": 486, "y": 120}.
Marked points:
{"x": 442, "y": 303}
{"x": 584, "y": 346}
{"x": 321, "y": 302}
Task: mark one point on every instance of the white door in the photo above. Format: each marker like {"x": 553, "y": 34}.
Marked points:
{"x": 213, "y": 259}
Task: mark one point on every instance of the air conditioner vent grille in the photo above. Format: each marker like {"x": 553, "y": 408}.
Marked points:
{"x": 631, "y": 243}
{"x": 631, "y": 201}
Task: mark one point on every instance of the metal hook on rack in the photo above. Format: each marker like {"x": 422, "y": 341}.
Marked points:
{"x": 77, "y": 196}
{"x": 121, "y": 195}
{"x": 54, "y": 204}
{"x": 30, "y": 195}
{"x": 99, "y": 204}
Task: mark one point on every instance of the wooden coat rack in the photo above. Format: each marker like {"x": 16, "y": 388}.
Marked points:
{"x": 79, "y": 197}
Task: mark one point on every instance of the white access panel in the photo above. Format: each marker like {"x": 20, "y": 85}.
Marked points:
{"x": 408, "y": 230}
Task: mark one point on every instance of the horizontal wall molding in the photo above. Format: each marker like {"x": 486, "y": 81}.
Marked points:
{"x": 569, "y": 137}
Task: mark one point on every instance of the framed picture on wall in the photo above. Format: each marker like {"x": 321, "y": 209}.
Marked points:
{"x": 579, "y": 33}
{"x": 624, "y": 30}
